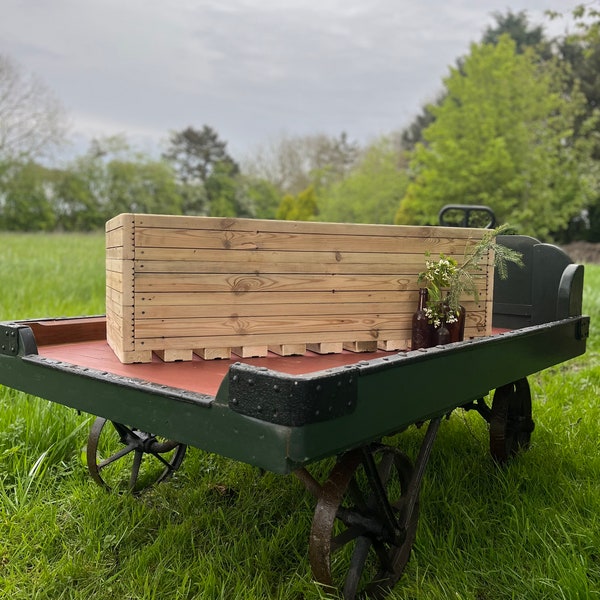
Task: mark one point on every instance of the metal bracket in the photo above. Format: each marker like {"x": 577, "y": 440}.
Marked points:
{"x": 292, "y": 401}
{"x": 16, "y": 339}
{"x": 583, "y": 329}
{"x": 9, "y": 341}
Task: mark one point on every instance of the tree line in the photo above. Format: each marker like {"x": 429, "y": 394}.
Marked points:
{"x": 515, "y": 127}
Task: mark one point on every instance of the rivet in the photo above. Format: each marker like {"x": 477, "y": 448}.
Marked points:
{"x": 276, "y": 388}
{"x": 234, "y": 401}
{"x": 235, "y": 378}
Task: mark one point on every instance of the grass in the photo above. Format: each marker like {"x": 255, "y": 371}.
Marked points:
{"x": 221, "y": 529}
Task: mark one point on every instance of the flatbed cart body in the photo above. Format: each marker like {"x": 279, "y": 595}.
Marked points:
{"x": 284, "y": 413}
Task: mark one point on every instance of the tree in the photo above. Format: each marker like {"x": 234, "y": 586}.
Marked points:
{"x": 75, "y": 206}
{"x": 581, "y": 51}
{"x": 372, "y": 191}
{"x": 194, "y": 154}
{"x": 292, "y": 164}
{"x": 141, "y": 186}
{"x": 110, "y": 179}
{"x": 26, "y": 198}
{"x": 302, "y": 207}
{"x": 262, "y": 195}
{"x": 501, "y": 137}
{"x": 226, "y": 197}
{"x": 32, "y": 120}
{"x": 525, "y": 36}
{"x": 517, "y": 26}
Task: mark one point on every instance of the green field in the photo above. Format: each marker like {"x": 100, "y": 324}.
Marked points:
{"x": 221, "y": 529}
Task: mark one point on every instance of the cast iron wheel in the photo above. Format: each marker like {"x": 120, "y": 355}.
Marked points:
{"x": 122, "y": 458}
{"x": 510, "y": 420}
{"x": 353, "y": 547}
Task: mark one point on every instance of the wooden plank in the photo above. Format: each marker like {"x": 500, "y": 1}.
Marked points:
{"x": 389, "y": 345}
{"x": 174, "y": 355}
{"x": 288, "y": 349}
{"x": 360, "y": 346}
{"x": 278, "y": 309}
{"x": 175, "y": 328}
{"x": 271, "y": 225}
{"x": 240, "y": 283}
{"x": 403, "y": 298}
{"x": 250, "y": 351}
{"x": 336, "y": 306}
{"x": 371, "y": 328}
{"x": 411, "y": 249}
{"x": 123, "y": 282}
{"x": 213, "y": 353}
{"x": 119, "y": 221}
{"x": 412, "y": 265}
{"x": 256, "y": 240}
{"x": 326, "y": 347}
{"x": 130, "y": 357}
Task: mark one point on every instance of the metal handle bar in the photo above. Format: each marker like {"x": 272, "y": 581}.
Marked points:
{"x": 467, "y": 215}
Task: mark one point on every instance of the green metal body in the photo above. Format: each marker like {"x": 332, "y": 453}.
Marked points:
{"x": 367, "y": 400}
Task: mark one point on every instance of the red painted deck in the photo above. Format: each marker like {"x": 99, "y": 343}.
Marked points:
{"x": 82, "y": 342}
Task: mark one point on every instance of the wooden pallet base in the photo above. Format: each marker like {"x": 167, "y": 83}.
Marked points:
{"x": 176, "y": 355}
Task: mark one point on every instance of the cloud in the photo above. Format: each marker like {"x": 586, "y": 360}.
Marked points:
{"x": 250, "y": 68}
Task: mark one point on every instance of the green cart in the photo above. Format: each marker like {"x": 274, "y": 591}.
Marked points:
{"x": 284, "y": 414}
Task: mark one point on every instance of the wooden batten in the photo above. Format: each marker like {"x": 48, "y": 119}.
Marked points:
{"x": 178, "y": 286}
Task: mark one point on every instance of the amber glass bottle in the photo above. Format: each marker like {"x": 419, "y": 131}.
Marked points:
{"x": 421, "y": 331}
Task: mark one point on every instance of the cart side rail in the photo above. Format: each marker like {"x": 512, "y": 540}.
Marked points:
{"x": 549, "y": 286}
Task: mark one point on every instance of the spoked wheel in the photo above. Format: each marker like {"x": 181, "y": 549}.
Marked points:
{"x": 122, "y": 458}
{"x": 510, "y": 420}
{"x": 364, "y": 527}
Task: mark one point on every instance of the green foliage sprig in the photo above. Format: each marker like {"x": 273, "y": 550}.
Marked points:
{"x": 446, "y": 280}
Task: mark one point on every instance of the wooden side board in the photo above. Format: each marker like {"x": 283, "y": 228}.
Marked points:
{"x": 211, "y": 286}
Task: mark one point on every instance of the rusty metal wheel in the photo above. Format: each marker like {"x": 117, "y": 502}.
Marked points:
{"x": 122, "y": 458}
{"x": 364, "y": 527}
{"x": 510, "y": 420}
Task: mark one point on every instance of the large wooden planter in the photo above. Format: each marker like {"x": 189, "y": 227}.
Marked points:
{"x": 178, "y": 286}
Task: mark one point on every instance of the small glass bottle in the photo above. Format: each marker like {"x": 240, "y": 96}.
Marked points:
{"x": 421, "y": 331}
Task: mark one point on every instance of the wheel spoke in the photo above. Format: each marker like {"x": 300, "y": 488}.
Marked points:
{"x": 357, "y": 565}
{"x": 135, "y": 469}
{"x": 346, "y": 537}
{"x": 116, "y": 456}
{"x": 135, "y": 459}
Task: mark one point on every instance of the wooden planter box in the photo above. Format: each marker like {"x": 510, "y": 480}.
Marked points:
{"x": 178, "y": 286}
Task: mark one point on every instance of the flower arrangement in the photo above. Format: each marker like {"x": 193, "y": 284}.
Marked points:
{"x": 438, "y": 277}
{"x": 447, "y": 281}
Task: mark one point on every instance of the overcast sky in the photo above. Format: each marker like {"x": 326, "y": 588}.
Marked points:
{"x": 252, "y": 69}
